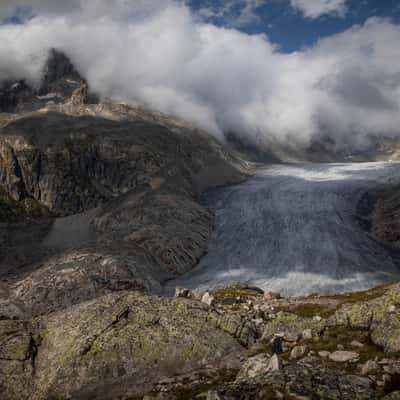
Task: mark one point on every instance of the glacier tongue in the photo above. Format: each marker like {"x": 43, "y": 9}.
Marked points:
{"x": 293, "y": 229}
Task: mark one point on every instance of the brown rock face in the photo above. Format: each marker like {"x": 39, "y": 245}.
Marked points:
{"x": 72, "y": 164}
{"x": 118, "y": 188}
{"x": 139, "y": 180}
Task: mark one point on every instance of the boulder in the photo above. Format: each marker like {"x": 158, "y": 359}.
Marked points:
{"x": 258, "y": 367}
{"x": 343, "y": 356}
{"x": 368, "y": 367}
{"x": 214, "y": 395}
{"x": 275, "y": 363}
{"x": 183, "y": 292}
{"x": 298, "y": 352}
{"x": 307, "y": 334}
{"x": 357, "y": 344}
{"x": 386, "y": 333}
{"x": 10, "y": 309}
{"x": 393, "y": 368}
{"x": 254, "y": 367}
{"x": 238, "y": 326}
{"x": 19, "y": 344}
{"x": 392, "y": 396}
{"x": 208, "y": 299}
{"x": 378, "y": 316}
{"x": 268, "y": 296}
{"x": 290, "y": 327}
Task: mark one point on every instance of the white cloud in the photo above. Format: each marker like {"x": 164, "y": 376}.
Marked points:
{"x": 317, "y": 8}
{"x": 346, "y": 86}
{"x": 9, "y": 7}
{"x": 85, "y": 10}
{"x": 249, "y": 12}
{"x": 240, "y": 13}
{"x": 235, "y": 13}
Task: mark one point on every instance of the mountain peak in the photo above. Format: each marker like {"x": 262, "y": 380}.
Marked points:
{"x": 59, "y": 74}
{"x": 61, "y": 84}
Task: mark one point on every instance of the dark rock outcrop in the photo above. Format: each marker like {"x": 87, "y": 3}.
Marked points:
{"x": 141, "y": 181}
{"x": 107, "y": 194}
{"x": 14, "y": 94}
{"x": 58, "y": 71}
{"x": 60, "y": 83}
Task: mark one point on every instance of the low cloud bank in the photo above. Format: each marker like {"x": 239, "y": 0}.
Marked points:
{"x": 159, "y": 54}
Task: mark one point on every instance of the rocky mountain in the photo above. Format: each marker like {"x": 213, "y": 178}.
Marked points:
{"x": 102, "y": 191}
{"x": 319, "y": 149}
{"x": 99, "y": 207}
{"x": 60, "y": 81}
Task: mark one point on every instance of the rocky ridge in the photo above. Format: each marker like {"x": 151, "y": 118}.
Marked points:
{"x": 98, "y": 197}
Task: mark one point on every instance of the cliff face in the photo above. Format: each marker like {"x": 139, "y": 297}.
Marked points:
{"x": 105, "y": 192}
{"x": 71, "y": 164}
{"x": 99, "y": 202}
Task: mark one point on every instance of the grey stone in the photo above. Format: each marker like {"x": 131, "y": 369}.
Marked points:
{"x": 343, "y": 356}
{"x": 307, "y": 334}
{"x": 208, "y": 299}
{"x": 357, "y": 344}
{"x": 368, "y": 367}
{"x": 298, "y": 352}
{"x": 275, "y": 363}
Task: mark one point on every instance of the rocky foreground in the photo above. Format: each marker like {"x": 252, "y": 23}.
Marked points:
{"x": 233, "y": 343}
{"x": 99, "y": 208}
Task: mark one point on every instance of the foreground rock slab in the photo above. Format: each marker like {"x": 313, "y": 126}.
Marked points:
{"x": 119, "y": 345}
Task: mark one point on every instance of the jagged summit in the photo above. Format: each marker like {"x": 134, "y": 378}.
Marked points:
{"x": 59, "y": 74}
{"x": 58, "y": 67}
{"x": 60, "y": 84}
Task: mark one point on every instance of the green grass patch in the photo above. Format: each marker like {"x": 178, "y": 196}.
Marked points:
{"x": 366, "y": 295}
{"x": 11, "y": 210}
{"x": 340, "y": 335}
{"x": 235, "y": 294}
{"x": 308, "y": 310}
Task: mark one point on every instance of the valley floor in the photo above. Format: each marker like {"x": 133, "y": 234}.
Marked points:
{"x": 295, "y": 229}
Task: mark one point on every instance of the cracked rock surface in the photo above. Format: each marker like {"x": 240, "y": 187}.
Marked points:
{"x": 97, "y": 197}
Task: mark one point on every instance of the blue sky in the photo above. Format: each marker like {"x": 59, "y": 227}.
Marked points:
{"x": 285, "y": 24}
{"x": 289, "y": 28}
